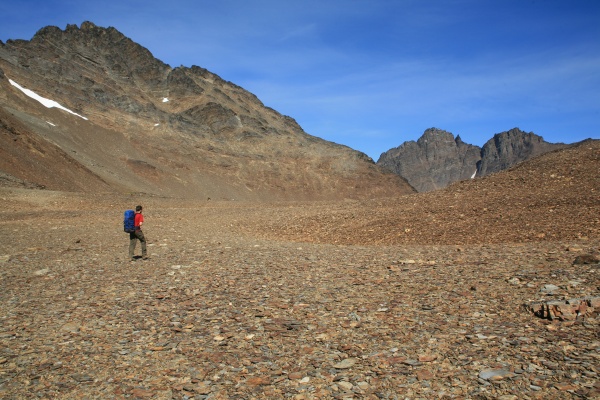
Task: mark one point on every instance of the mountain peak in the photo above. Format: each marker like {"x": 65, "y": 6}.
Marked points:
{"x": 432, "y": 162}
{"x": 508, "y": 148}
{"x": 438, "y": 159}
{"x": 161, "y": 130}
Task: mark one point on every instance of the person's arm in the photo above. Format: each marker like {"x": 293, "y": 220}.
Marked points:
{"x": 139, "y": 220}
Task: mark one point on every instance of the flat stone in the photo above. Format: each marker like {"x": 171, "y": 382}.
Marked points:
{"x": 203, "y": 388}
{"x": 585, "y": 259}
{"x": 345, "y": 385}
{"x": 258, "y": 381}
{"x": 345, "y": 364}
{"x": 42, "y": 272}
{"x": 142, "y": 393}
{"x": 566, "y": 387}
{"x": 296, "y": 375}
{"x": 549, "y": 288}
{"x": 83, "y": 378}
{"x": 424, "y": 375}
{"x": 493, "y": 374}
{"x": 427, "y": 357}
{"x": 71, "y": 327}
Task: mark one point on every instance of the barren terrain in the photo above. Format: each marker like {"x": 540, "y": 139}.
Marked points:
{"x": 420, "y": 296}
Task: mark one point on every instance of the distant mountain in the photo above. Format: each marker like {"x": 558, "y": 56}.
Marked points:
{"x": 509, "y": 148}
{"x": 433, "y": 161}
{"x": 438, "y": 159}
{"x": 124, "y": 121}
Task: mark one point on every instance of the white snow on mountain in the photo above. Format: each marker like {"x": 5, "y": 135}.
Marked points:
{"x": 46, "y": 102}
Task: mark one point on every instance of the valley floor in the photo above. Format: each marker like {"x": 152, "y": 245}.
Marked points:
{"x": 243, "y": 301}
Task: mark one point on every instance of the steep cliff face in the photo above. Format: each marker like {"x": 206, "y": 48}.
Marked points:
{"x": 438, "y": 159}
{"x": 139, "y": 125}
{"x": 511, "y": 147}
{"x": 434, "y": 161}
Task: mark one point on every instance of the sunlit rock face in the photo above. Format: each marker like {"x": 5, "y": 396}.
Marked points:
{"x": 438, "y": 159}
{"x": 123, "y": 120}
{"x": 434, "y": 161}
{"x": 509, "y": 148}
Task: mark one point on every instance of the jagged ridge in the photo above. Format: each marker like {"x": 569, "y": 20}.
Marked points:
{"x": 171, "y": 131}
{"x": 438, "y": 159}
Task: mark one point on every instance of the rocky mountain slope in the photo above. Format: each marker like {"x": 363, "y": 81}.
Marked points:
{"x": 555, "y": 196}
{"x": 438, "y": 159}
{"x": 131, "y": 123}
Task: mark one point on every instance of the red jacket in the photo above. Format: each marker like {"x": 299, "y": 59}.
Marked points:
{"x": 139, "y": 218}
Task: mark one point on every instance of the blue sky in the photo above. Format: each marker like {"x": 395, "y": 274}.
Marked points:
{"x": 373, "y": 74}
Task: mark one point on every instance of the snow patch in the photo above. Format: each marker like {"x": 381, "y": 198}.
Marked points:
{"x": 46, "y": 102}
{"x": 474, "y": 173}
{"x": 50, "y": 123}
{"x": 156, "y": 124}
{"x": 165, "y": 100}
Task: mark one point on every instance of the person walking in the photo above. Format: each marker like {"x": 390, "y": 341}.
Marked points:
{"x": 137, "y": 234}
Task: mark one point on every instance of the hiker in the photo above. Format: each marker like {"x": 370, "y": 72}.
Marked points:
{"x": 137, "y": 234}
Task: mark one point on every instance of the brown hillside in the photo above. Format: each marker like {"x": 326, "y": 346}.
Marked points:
{"x": 29, "y": 160}
{"x": 552, "y": 197}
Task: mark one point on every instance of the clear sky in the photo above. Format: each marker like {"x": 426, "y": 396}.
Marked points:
{"x": 372, "y": 74}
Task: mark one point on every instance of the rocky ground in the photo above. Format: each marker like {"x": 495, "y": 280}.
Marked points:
{"x": 347, "y": 300}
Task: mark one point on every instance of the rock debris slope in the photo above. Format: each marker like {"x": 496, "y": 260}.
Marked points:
{"x": 139, "y": 125}
{"x": 415, "y": 296}
{"x": 549, "y": 197}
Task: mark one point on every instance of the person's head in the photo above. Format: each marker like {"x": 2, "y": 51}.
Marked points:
{"x": 138, "y": 209}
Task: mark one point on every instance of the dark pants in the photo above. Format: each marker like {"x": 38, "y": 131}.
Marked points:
{"x": 133, "y": 238}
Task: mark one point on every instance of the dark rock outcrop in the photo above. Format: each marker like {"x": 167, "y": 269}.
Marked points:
{"x": 511, "y": 147}
{"x": 437, "y": 159}
{"x": 434, "y": 161}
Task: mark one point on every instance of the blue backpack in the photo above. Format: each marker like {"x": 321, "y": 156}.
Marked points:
{"x": 129, "y": 221}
